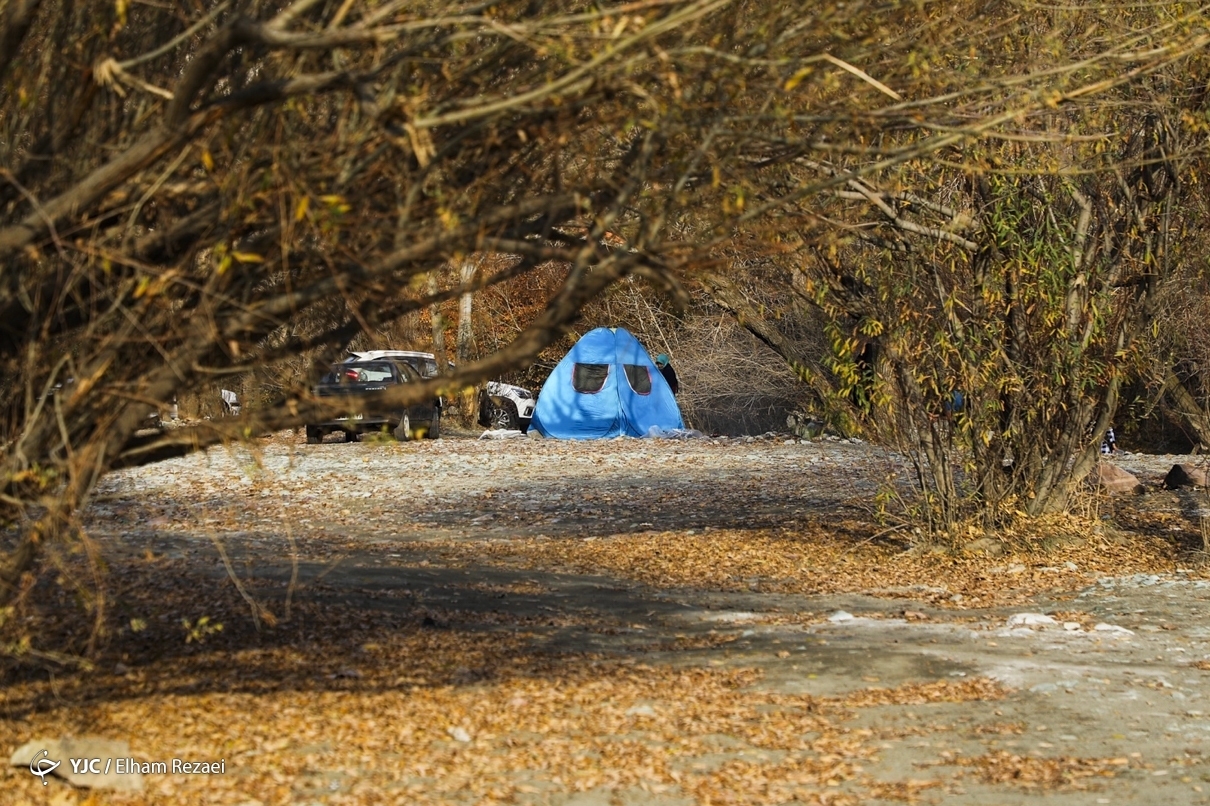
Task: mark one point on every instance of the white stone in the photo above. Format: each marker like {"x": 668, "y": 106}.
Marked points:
{"x": 1031, "y": 620}
{"x": 1113, "y": 629}
{"x": 731, "y": 616}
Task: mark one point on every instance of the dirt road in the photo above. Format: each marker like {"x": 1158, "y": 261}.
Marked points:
{"x": 625, "y": 622}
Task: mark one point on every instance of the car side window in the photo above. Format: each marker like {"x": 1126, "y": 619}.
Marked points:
{"x": 589, "y": 379}
{"x": 639, "y": 377}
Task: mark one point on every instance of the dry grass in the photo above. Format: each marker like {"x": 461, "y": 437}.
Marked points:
{"x": 819, "y": 560}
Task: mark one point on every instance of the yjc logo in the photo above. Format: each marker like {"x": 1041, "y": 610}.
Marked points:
{"x": 42, "y": 766}
{"x": 93, "y": 765}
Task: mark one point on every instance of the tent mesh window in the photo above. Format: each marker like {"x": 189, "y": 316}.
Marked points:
{"x": 589, "y": 378}
{"x": 639, "y": 377}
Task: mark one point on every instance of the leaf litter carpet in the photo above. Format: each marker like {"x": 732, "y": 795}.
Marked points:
{"x": 323, "y": 686}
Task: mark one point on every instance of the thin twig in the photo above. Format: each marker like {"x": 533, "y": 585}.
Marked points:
{"x": 293, "y": 570}
{"x": 872, "y": 538}
{"x": 252, "y": 604}
{"x": 863, "y": 75}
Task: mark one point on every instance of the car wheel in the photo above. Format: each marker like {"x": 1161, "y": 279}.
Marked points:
{"x": 314, "y": 435}
{"x": 403, "y": 431}
{"x": 435, "y": 425}
{"x": 504, "y": 417}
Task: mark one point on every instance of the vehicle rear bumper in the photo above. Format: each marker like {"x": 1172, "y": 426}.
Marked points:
{"x": 367, "y": 425}
{"x": 358, "y": 425}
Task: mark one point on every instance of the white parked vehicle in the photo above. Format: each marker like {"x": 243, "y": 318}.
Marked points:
{"x": 505, "y": 406}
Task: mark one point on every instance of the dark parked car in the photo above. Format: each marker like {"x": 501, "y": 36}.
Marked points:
{"x": 501, "y": 405}
{"x": 365, "y": 414}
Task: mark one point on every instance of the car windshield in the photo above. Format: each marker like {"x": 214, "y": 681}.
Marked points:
{"x": 424, "y": 367}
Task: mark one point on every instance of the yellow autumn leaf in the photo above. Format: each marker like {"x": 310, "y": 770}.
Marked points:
{"x": 207, "y": 160}
{"x": 247, "y": 257}
{"x": 141, "y": 288}
{"x": 300, "y": 209}
{"x": 796, "y": 79}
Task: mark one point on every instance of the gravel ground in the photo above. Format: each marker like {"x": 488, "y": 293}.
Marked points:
{"x": 1152, "y": 467}
{"x": 1105, "y": 698}
{"x": 506, "y": 486}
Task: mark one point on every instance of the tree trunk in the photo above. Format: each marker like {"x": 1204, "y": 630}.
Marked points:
{"x": 438, "y": 322}
{"x": 465, "y": 306}
{"x": 467, "y": 399}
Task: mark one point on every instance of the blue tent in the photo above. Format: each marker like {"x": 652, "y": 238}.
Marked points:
{"x": 606, "y": 386}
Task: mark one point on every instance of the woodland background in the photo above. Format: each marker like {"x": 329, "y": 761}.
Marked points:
{"x": 848, "y": 210}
